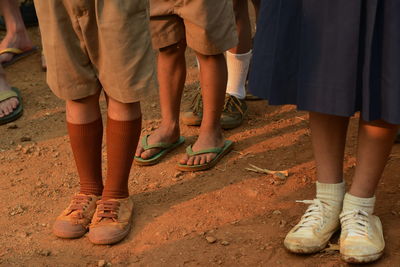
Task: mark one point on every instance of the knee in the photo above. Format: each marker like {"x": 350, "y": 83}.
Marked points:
{"x": 177, "y": 49}
{"x": 123, "y": 111}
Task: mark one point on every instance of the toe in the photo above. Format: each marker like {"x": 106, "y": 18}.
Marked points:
{"x": 203, "y": 160}
{"x": 149, "y": 153}
{"x": 184, "y": 159}
{"x": 139, "y": 151}
{"x": 210, "y": 157}
{"x": 190, "y": 161}
{"x": 197, "y": 160}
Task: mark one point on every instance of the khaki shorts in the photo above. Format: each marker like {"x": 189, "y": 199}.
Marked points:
{"x": 208, "y": 25}
{"x": 94, "y": 44}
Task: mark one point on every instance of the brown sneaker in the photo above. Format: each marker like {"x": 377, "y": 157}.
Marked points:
{"x": 235, "y": 110}
{"x": 74, "y": 220}
{"x": 194, "y": 115}
{"x": 111, "y": 222}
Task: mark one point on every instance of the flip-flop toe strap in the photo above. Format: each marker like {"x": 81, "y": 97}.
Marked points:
{"x": 15, "y": 51}
{"x": 4, "y": 95}
{"x": 146, "y": 146}
{"x": 190, "y": 151}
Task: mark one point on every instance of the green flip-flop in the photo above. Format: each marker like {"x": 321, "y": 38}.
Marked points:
{"x": 220, "y": 151}
{"x": 156, "y": 158}
{"x": 4, "y": 95}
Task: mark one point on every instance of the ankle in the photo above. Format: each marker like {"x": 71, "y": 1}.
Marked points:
{"x": 352, "y": 202}
{"x": 331, "y": 193}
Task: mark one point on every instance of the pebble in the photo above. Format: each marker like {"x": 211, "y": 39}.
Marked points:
{"x": 101, "y": 263}
{"x": 225, "y": 243}
{"x": 277, "y": 212}
{"x": 44, "y": 252}
{"x": 12, "y": 126}
{"x": 178, "y": 174}
{"x": 153, "y": 105}
{"x": 211, "y": 239}
{"x": 25, "y": 139}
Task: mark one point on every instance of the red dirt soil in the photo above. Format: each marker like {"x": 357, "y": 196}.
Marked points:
{"x": 248, "y": 214}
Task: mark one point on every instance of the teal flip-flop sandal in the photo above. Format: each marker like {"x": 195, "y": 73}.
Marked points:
{"x": 156, "y": 158}
{"x": 220, "y": 151}
{"x": 4, "y": 95}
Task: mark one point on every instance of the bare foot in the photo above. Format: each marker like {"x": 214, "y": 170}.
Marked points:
{"x": 18, "y": 39}
{"x": 206, "y": 140}
{"x": 7, "y": 106}
{"x": 166, "y": 134}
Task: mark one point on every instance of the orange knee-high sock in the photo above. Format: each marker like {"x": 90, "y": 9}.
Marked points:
{"x": 122, "y": 138}
{"x": 86, "y": 142}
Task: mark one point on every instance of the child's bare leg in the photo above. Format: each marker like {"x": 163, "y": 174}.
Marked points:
{"x": 17, "y": 36}
{"x": 243, "y": 27}
{"x": 257, "y": 5}
{"x": 213, "y": 77}
{"x": 375, "y": 141}
{"x": 328, "y": 134}
{"x": 171, "y": 76}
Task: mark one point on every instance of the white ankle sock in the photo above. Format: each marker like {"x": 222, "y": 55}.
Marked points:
{"x": 331, "y": 192}
{"x": 238, "y": 67}
{"x": 365, "y": 204}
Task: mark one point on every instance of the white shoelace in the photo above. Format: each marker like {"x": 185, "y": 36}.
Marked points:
{"x": 355, "y": 222}
{"x": 314, "y": 215}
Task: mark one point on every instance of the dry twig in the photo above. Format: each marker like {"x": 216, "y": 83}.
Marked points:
{"x": 280, "y": 174}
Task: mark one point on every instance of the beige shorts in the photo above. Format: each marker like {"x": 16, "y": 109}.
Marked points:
{"x": 89, "y": 45}
{"x": 208, "y": 25}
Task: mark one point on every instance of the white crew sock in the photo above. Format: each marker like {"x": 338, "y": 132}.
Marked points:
{"x": 331, "y": 192}
{"x": 365, "y": 204}
{"x": 238, "y": 67}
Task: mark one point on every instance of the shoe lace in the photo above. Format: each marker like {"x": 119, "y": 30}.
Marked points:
{"x": 107, "y": 209}
{"x": 232, "y": 104}
{"x": 78, "y": 205}
{"x": 197, "y": 103}
{"x": 314, "y": 215}
{"x": 355, "y": 222}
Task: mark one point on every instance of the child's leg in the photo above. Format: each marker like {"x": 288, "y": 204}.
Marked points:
{"x": 6, "y": 106}
{"x": 86, "y": 131}
{"x": 213, "y": 76}
{"x": 112, "y": 219}
{"x": 17, "y": 36}
{"x": 243, "y": 27}
{"x": 328, "y": 135}
{"x": 171, "y": 77}
{"x": 321, "y": 220}
{"x": 257, "y": 5}
{"x": 238, "y": 62}
{"x": 375, "y": 141}
{"x": 123, "y": 131}
{"x": 361, "y": 239}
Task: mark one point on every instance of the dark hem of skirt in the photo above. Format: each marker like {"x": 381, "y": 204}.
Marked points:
{"x": 336, "y": 113}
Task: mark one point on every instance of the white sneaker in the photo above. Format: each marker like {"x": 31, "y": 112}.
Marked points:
{"x": 361, "y": 239}
{"x": 316, "y": 227}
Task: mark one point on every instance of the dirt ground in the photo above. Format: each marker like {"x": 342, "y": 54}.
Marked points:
{"x": 248, "y": 214}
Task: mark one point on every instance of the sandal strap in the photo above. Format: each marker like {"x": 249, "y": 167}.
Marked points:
{"x": 11, "y": 50}
{"x": 4, "y": 95}
{"x": 146, "y": 146}
{"x": 190, "y": 151}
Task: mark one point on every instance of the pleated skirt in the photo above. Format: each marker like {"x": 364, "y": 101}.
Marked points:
{"x": 331, "y": 56}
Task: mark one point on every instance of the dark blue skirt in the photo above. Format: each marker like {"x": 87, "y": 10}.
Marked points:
{"x": 330, "y": 56}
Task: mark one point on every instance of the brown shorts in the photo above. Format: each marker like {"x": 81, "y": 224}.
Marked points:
{"x": 208, "y": 25}
{"x": 97, "y": 44}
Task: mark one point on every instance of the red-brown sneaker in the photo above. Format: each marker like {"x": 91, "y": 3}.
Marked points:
{"x": 111, "y": 222}
{"x": 75, "y": 219}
